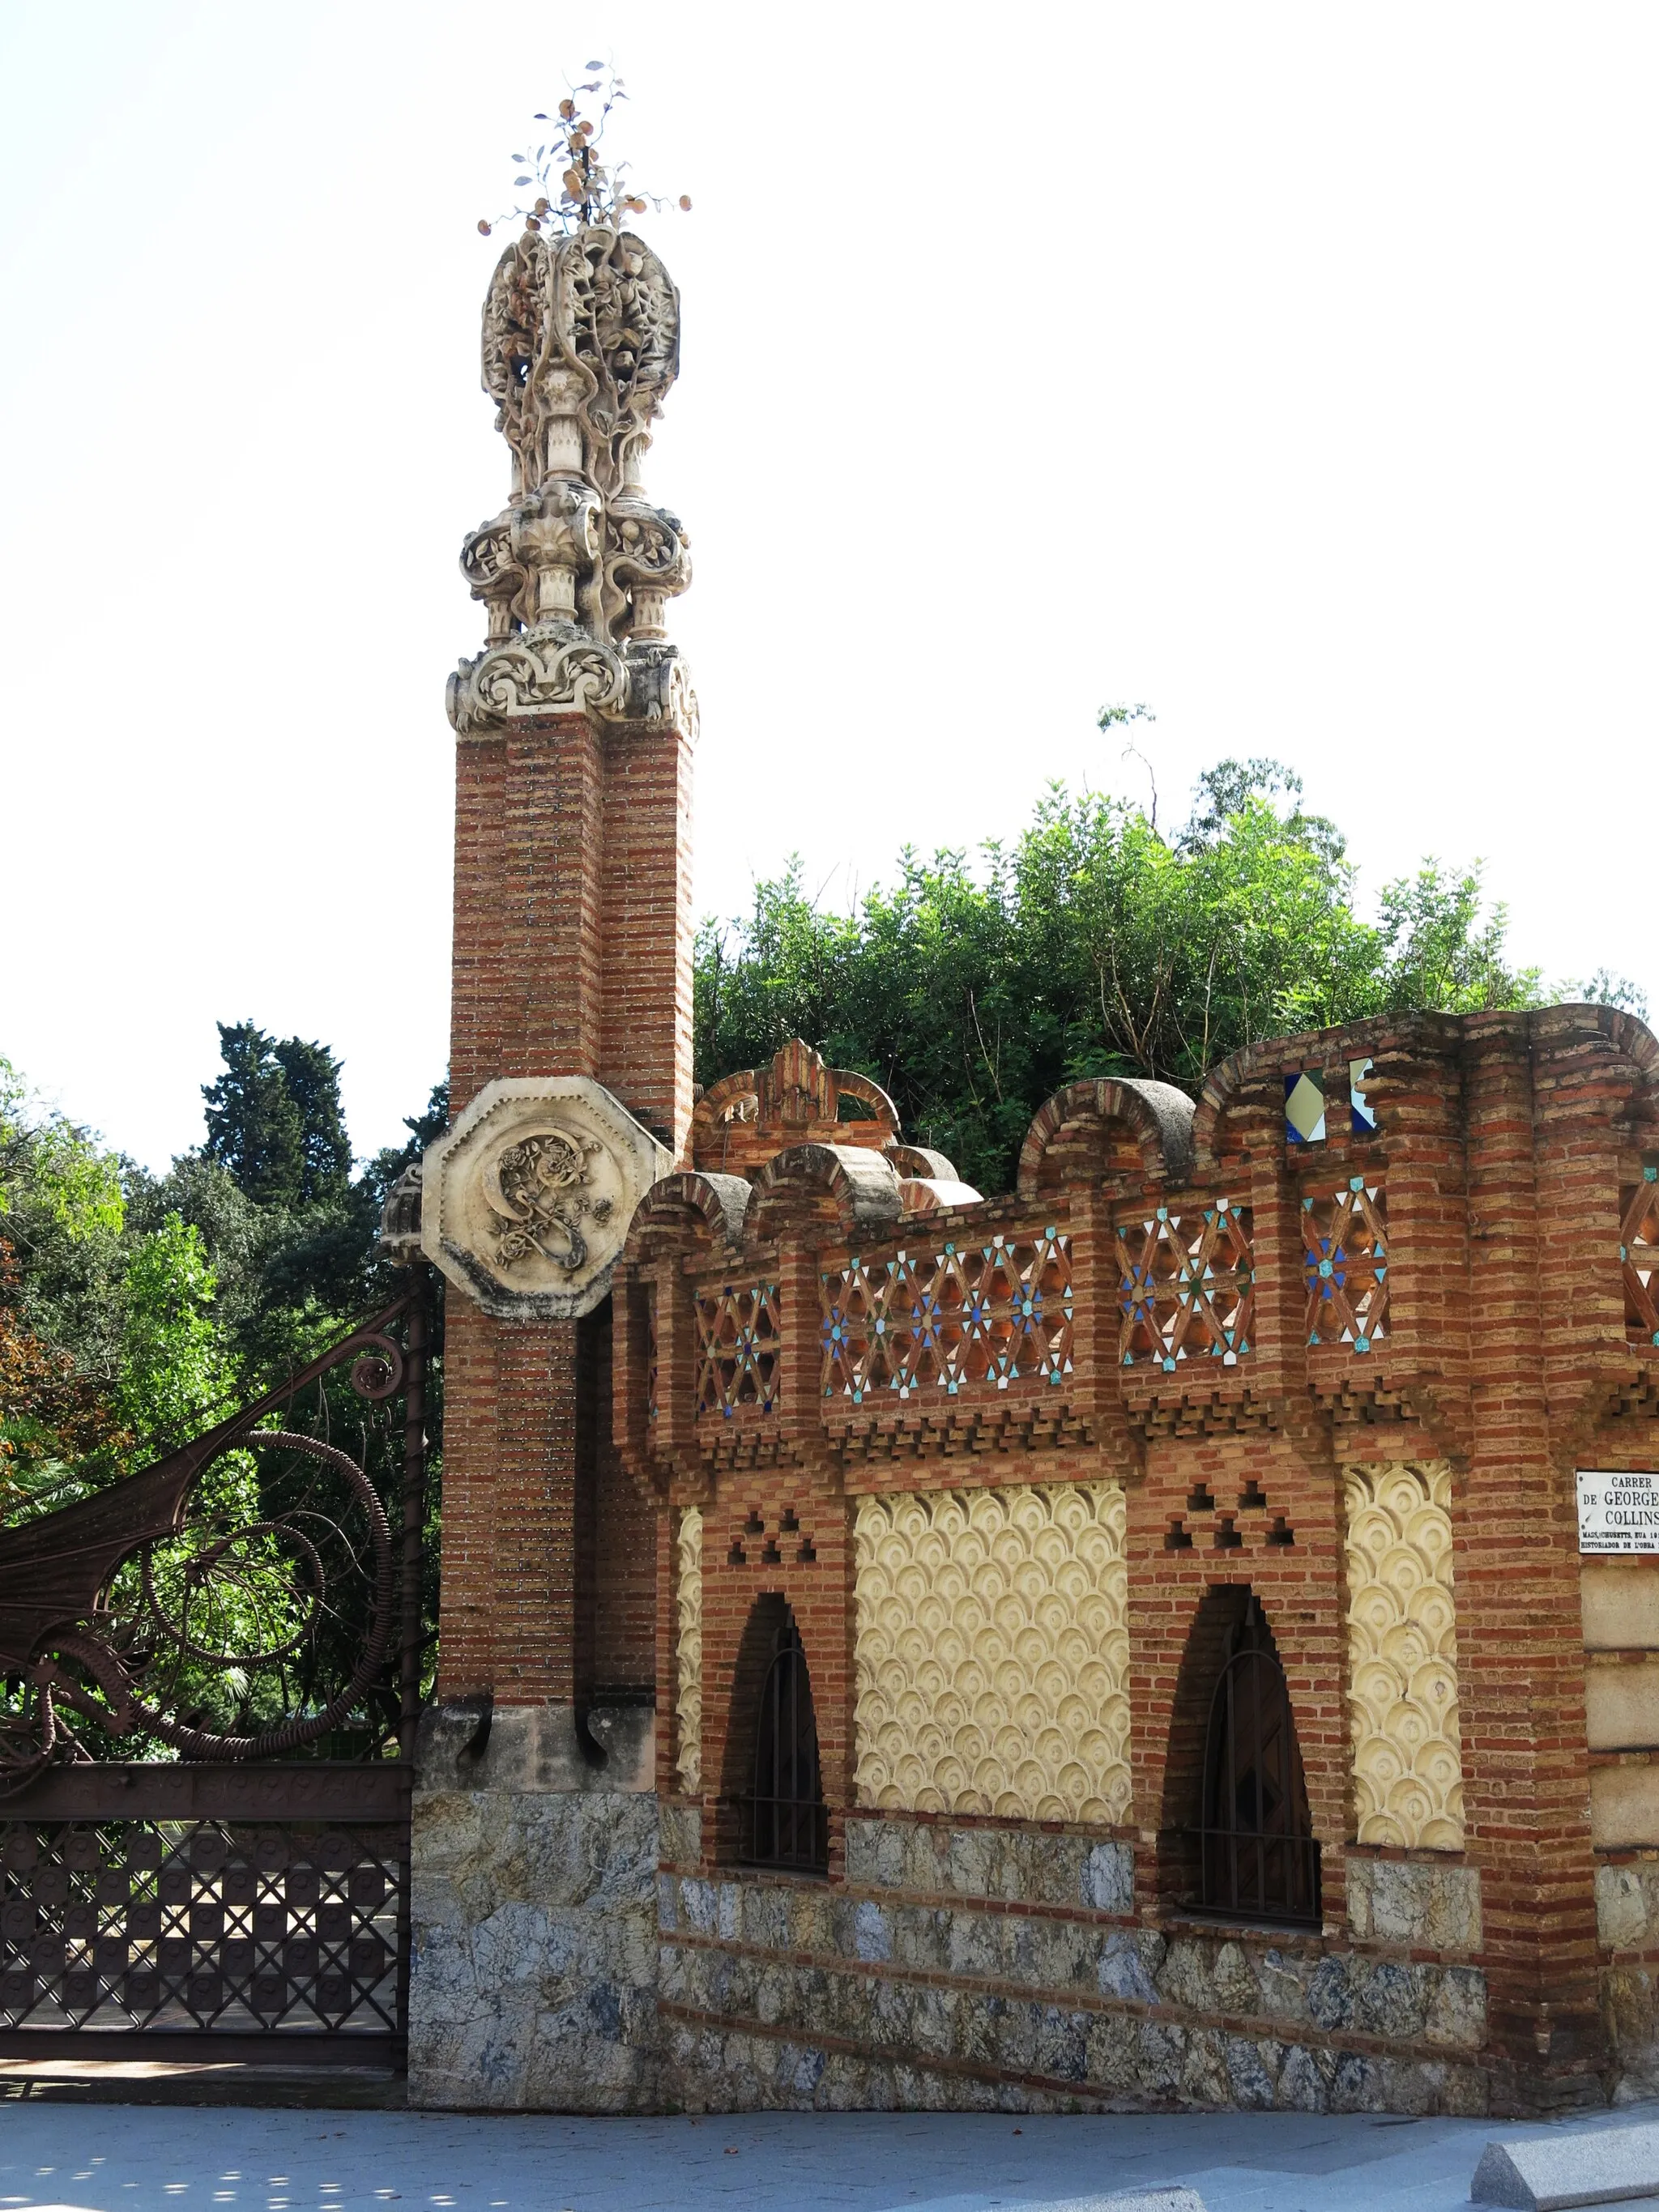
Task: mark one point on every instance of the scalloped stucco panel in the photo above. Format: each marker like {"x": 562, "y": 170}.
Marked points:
{"x": 993, "y": 1653}
{"x": 1402, "y": 1657}
{"x": 688, "y": 1649}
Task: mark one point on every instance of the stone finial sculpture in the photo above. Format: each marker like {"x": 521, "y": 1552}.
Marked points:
{"x": 580, "y": 346}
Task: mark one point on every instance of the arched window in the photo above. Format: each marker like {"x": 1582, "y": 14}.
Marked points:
{"x": 785, "y": 1823}
{"x": 1259, "y": 1858}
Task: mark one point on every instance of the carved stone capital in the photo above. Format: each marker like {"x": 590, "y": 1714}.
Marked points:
{"x": 492, "y": 573}
{"x": 557, "y": 667}
{"x": 556, "y": 537}
{"x": 554, "y": 666}
{"x": 526, "y": 1202}
{"x": 659, "y": 688}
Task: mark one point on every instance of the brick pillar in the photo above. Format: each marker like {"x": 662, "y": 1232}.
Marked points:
{"x": 572, "y": 957}
{"x": 1520, "y": 1642}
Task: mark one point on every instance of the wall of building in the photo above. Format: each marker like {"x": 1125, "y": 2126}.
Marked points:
{"x": 1004, "y": 1580}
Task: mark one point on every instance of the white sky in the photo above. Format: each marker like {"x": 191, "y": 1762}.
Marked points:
{"x": 1291, "y": 369}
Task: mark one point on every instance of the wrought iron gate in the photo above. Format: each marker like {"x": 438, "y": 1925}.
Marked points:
{"x": 248, "y": 1598}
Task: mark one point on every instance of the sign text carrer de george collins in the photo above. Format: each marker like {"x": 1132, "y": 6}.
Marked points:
{"x": 1618, "y": 1512}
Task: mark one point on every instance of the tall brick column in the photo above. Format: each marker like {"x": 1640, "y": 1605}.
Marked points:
{"x": 572, "y": 953}
{"x": 1520, "y": 1645}
{"x": 570, "y": 1082}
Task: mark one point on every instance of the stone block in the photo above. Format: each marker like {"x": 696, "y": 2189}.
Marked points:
{"x": 1627, "y": 2008}
{"x": 1236, "y": 1989}
{"x": 1626, "y": 1904}
{"x": 1253, "y": 2071}
{"x": 1590, "y": 2166}
{"x": 1283, "y": 1980}
{"x": 1622, "y": 1706}
{"x": 1304, "y": 2081}
{"x": 873, "y": 1934}
{"x": 1619, "y": 1599}
{"x": 534, "y": 1960}
{"x": 1457, "y": 2007}
{"x": 1330, "y": 1993}
{"x": 1389, "y": 2000}
{"x": 1624, "y": 1806}
{"x": 1108, "y": 1879}
{"x": 529, "y": 1749}
{"x": 1127, "y": 1963}
{"x": 679, "y": 1833}
{"x": 1185, "y": 1978}
{"x": 1204, "y": 2076}
{"x": 1426, "y": 1904}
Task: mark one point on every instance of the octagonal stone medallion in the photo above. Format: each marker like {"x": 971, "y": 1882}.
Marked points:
{"x": 527, "y": 1201}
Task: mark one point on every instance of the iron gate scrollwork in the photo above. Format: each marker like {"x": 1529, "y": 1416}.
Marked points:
{"x": 171, "y": 1867}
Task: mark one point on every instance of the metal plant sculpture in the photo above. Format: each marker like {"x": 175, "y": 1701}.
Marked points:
{"x": 233, "y": 1602}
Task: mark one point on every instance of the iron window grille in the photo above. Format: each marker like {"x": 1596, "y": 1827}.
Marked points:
{"x": 1258, "y": 1859}
{"x": 784, "y": 1821}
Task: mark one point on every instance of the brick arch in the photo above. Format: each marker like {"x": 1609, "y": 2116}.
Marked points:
{"x": 848, "y": 1188}
{"x": 1242, "y": 1099}
{"x": 1103, "y": 1126}
{"x": 686, "y": 1210}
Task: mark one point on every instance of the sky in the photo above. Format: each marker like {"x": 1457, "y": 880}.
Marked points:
{"x": 1289, "y": 368}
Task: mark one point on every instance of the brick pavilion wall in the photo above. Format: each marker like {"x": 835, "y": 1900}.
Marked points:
{"x": 971, "y": 1958}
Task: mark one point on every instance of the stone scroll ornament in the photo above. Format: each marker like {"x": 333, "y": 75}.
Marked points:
{"x": 526, "y": 1202}
{"x": 580, "y": 347}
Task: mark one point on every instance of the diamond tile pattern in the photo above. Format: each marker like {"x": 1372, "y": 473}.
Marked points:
{"x": 736, "y": 1348}
{"x": 1345, "y": 1260}
{"x": 192, "y": 1924}
{"x": 965, "y": 1316}
{"x": 1186, "y": 1286}
{"x": 1304, "y": 1107}
{"x": 1638, "y": 1256}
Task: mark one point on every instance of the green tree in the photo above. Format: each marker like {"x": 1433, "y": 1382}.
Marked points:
{"x": 254, "y": 1127}
{"x": 311, "y": 1075}
{"x": 274, "y": 1119}
{"x": 175, "y": 1369}
{"x": 1092, "y": 945}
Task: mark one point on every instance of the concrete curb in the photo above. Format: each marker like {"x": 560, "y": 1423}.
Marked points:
{"x": 1541, "y": 2173}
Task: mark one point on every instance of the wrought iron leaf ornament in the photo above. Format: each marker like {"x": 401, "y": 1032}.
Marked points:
{"x": 236, "y": 1600}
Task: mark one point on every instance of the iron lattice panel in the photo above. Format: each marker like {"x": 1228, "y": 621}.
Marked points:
{"x": 199, "y": 1924}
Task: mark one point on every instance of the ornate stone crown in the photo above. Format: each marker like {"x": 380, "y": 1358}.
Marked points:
{"x": 580, "y": 346}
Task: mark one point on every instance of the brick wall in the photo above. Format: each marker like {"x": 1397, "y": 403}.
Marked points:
{"x": 1503, "y": 1144}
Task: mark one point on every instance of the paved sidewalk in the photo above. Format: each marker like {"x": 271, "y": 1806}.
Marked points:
{"x": 115, "y": 2158}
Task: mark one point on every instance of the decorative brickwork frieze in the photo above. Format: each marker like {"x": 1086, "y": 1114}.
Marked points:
{"x": 993, "y": 1652}
{"x": 739, "y": 1341}
{"x": 963, "y": 1316}
{"x": 1346, "y": 1260}
{"x": 1638, "y": 1255}
{"x": 1185, "y": 1286}
{"x": 1402, "y": 1657}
